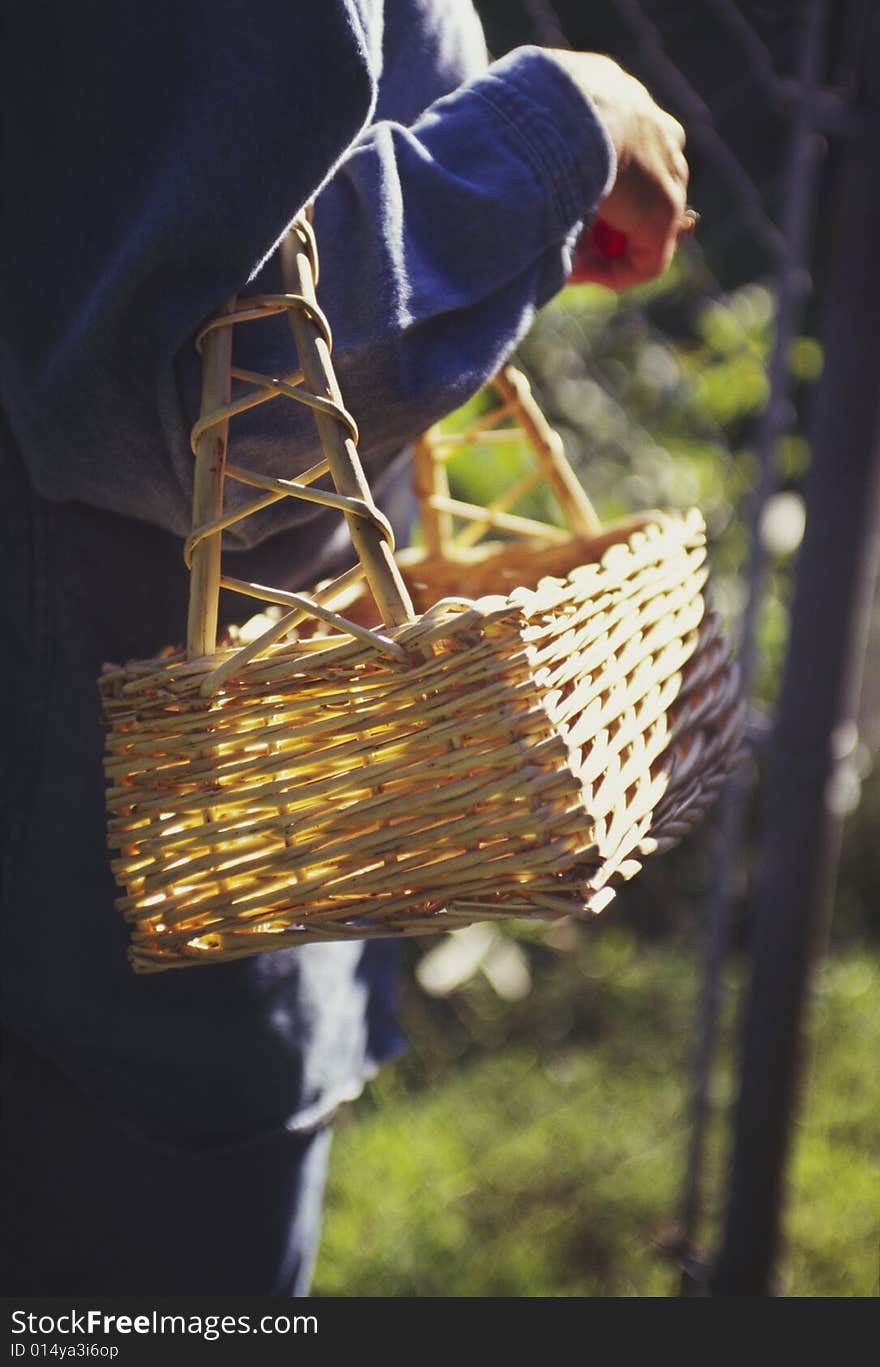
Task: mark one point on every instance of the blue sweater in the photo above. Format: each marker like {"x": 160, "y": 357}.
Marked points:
{"x": 153, "y": 156}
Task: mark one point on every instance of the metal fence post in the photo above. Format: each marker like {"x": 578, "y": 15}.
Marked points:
{"x": 834, "y": 584}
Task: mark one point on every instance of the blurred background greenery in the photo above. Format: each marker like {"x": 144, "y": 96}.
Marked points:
{"x": 537, "y": 1148}
{"x": 533, "y": 1140}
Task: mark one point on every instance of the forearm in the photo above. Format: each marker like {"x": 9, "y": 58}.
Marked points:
{"x": 438, "y": 244}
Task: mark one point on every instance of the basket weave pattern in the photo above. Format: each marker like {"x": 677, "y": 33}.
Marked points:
{"x": 513, "y": 755}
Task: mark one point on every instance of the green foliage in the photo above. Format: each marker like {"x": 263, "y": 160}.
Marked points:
{"x": 552, "y": 1166}
{"x": 857, "y": 909}
{"x": 656, "y": 394}
{"x": 835, "y": 1175}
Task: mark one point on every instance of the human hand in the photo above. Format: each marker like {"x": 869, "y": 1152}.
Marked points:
{"x": 643, "y": 215}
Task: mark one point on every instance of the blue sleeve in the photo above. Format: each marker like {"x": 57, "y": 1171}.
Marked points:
{"x": 155, "y": 180}
{"x": 438, "y": 244}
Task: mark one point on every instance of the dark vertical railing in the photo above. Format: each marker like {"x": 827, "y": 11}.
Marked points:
{"x": 834, "y": 583}
{"x": 792, "y": 291}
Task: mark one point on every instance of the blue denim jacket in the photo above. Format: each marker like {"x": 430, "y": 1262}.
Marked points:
{"x": 153, "y": 156}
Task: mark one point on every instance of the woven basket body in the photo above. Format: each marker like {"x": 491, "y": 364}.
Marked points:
{"x": 515, "y": 753}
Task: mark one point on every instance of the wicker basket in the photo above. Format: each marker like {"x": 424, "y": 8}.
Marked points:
{"x": 512, "y": 753}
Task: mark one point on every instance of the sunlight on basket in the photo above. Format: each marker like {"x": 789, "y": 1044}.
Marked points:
{"x": 515, "y": 753}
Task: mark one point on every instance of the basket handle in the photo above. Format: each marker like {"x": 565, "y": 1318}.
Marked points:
{"x": 210, "y": 452}
{"x": 437, "y": 509}
{"x": 316, "y": 386}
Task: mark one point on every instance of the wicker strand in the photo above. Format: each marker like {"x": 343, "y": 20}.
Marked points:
{"x": 210, "y": 452}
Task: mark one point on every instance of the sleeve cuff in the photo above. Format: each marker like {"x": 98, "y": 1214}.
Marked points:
{"x": 554, "y": 127}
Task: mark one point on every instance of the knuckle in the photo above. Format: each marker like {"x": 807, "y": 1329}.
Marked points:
{"x": 677, "y": 131}
{"x": 676, "y": 197}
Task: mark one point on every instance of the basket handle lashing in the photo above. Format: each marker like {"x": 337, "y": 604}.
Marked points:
{"x": 370, "y": 532}
{"x": 298, "y": 257}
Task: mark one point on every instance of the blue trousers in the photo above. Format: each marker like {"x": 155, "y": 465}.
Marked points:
{"x": 89, "y": 1208}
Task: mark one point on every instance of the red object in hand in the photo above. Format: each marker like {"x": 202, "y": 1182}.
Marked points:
{"x": 607, "y": 241}
{"x": 598, "y": 243}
